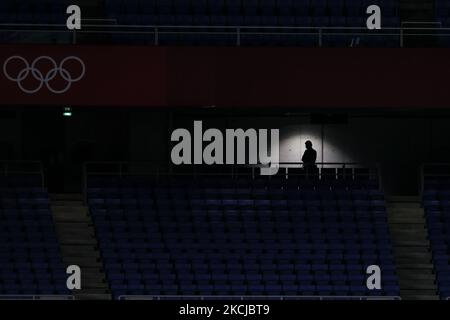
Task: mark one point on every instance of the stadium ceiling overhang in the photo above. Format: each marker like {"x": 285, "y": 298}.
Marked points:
{"x": 223, "y": 77}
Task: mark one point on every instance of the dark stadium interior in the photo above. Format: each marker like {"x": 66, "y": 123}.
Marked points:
{"x": 88, "y": 177}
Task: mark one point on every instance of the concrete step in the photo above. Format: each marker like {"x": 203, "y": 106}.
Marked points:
{"x": 423, "y": 295}
{"x": 407, "y": 232}
{"x": 79, "y": 246}
{"x": 404, "y": 204}
{"x": 75, "y": 250}
{"x": 60, "y": 217}
{"x": 406, "y": 220}
{"x": 408, "y": 243}
{"x": 68, "y": 203}
{"x": 393, "y": 198}
{"x": 411, "y": 213}
{"x": 417, "y": 285}
{"x": 82, "y": 228}
{"x": 409, "y": 237}
{"x": 93, "y": 264}
{"x": 67, "y": 209}
{"x": 413, "y": 255}
{"x": 418, "y": 276}
{"x": 93, "y": 284}
{"x": 405, "y": 259}
{"x": 411, "y": 248}
{"x": 71, "y": 241}
{"x": 415, "y": 267}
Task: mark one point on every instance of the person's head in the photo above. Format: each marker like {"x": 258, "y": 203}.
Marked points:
{"x": 308, "y": 144}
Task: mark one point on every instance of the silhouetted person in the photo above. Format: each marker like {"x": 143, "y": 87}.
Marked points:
{"x": 310, "y": 156}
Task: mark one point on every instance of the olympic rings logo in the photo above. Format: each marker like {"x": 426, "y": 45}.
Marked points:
{"x": 42, "y": 77}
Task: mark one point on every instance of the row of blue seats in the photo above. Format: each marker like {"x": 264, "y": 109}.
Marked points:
{"x": 264, "y": 277}
{"x": 150, "y": 213}
{"x": 143, "y": 182}
{"x": 239, "y": 253}
{"x": 357, "y": 21}
{"x": 135, "y": 221}
{"x": 244, "y": 278}
{"x": 219, "y": 267}
{"x": 177, "y": 242}
{"x": 263, "y": 3}
{"x": 268, "y": 277}
{"x": 187, "y": 191}
{"x": 266, "y": 229}
{"x": 158, "y": 232}
{"x": 196, "y": 258}
{"x": 248, "y": 207}
{"x": 242, "y": 234}
{"x": 112, "y": 254}
{"x": 257, "y": 290}
{"x": 114, "y": 257}
{"x": 167, "y": 272}
{"x": 279, "y": 217}
{"x": 291, "y": 212}
{"x": 288, "y": 280}
{"x": 262, "y": 263}
{"x": 173, "y": 237}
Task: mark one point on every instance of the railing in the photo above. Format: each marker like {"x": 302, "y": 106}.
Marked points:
{"x": 155, "y": 32}
{"x": 9, "y": 168}
{"x": 323, "y": 170}
{"x": 437, "y": 170}
{"x": 250, "y": 298}
{"x": 37, "y": 297}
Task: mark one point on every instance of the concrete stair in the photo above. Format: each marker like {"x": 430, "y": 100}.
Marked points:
{"x": 79, "y": 245}
{"x": 411, "y": 249}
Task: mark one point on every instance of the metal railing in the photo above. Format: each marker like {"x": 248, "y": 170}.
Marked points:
{"x": 432, "y": 170}
{"x": 153, "y": 33}
{"x": 250, "y": 298}
{"x": 10, "y": 168}
{"x": 322, "y": 170}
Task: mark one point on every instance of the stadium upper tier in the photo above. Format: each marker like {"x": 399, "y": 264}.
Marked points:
{"x": 319, "y": 13}
{"x": 328, "y": 23}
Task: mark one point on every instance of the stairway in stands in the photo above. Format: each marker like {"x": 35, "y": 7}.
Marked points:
{"x": 411, "y": 248}
{"x": 79, "y": 246}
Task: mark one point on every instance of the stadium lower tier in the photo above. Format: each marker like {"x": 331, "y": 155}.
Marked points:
{"x": 199, "y": 239}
